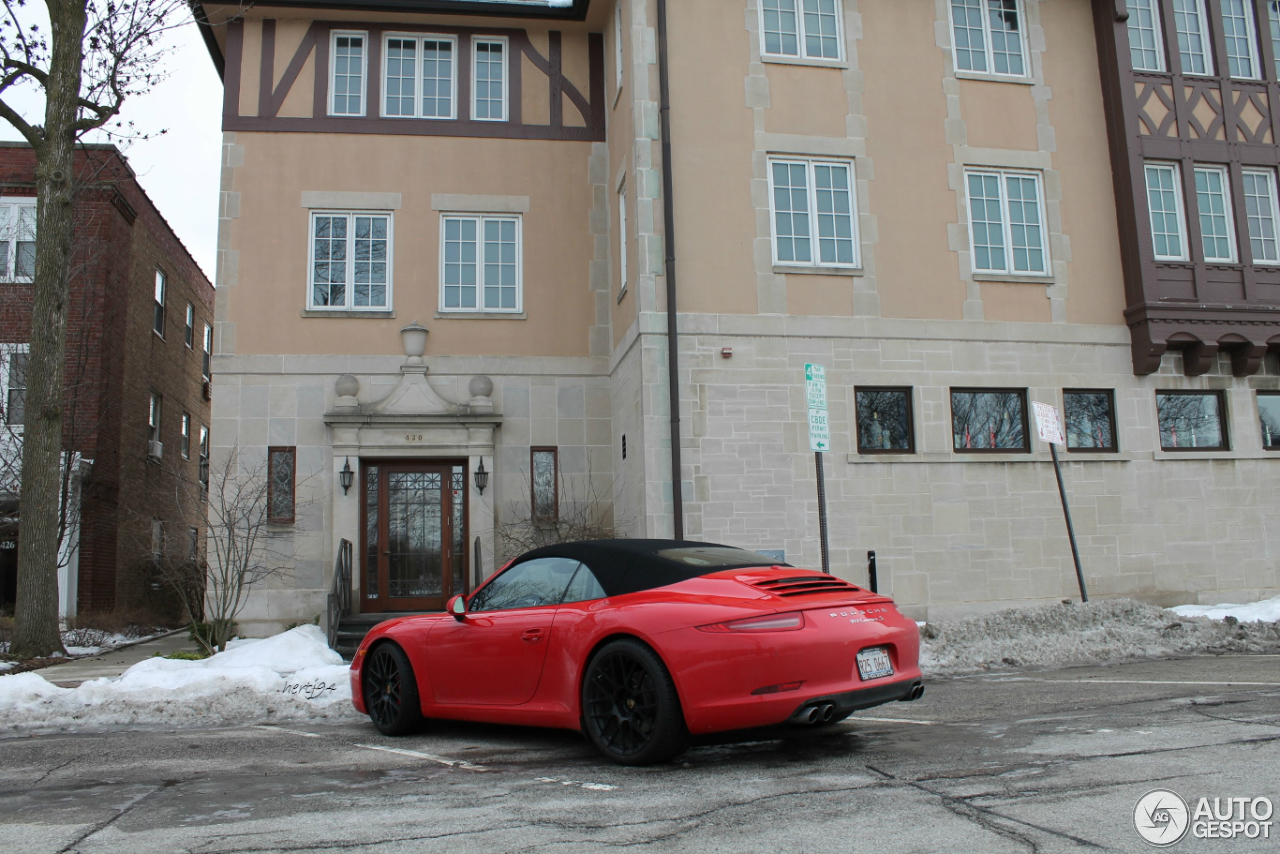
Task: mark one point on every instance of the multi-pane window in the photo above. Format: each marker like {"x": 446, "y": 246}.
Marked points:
{"x": 280, "y": 484}
{"x": 884, "y": 420}
{"x": 1262, "y": 214}
{"x": 813, "y": 213}
{"x": 158, "y": 321}
{"x": 1164, "y": 201}
{"x": 989, "y": 420}
{"x": 1192, "y": 24}
{"x": 420, "y": 77}
{"x": 1090, "y": 420}
{"x": 1217, "y": 236}
{"x": 489, "y": 84}
{"x": 1191, "y": 420}
{"x": 1145, "y": 50}
{"x": 1273, "y": 16}
{"x": 480, "y": 264}
{"x": 350, "y": 261}
{"x": 808, "y": 29}
{"x": 204, "y": 456}
{"x": 988, "y": 37}
{"x": 153, "y": 423}
{"x": 193, "y": 544}
{"x": 157, "y": 541}
{"x": 1269, "y": 419}
{"x": 347, "y": 86}
{"x": 1238, "y": 32}
{"x": 15, "y": 385}
{"x": 189, "y": 335}
{"x": 208, "y": 351}
{"x": 622, "y": 239}
{"x": 545, "y": 486}
{"x": 1006, "y": 222}
{"x": 18, "y": 240}
{"x": 186, "y": 436}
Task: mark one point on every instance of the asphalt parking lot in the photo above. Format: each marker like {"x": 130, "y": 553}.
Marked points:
{"x": 1028, "y": 761}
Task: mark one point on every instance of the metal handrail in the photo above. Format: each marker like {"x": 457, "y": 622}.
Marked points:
{"x": 339, "y": 604}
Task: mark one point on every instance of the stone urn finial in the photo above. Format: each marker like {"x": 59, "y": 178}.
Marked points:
{"x": 414, "y": 337}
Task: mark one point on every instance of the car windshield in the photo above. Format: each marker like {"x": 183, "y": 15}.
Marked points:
{"x": 716, "y": 556}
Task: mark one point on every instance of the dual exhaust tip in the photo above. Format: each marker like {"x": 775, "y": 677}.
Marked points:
{"x": 823, "y": 712}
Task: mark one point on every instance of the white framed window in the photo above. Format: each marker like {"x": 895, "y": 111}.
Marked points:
{"x": 489, "y": 79}
{"x": 622, "y": 239}
{"x": 1239, "y": 30}
{"x": 348, "y": 58}
{"x": 153, "y": 417}
{"x": 987, "y": 37}
{"x": 350, "y": 261}
{"x": 13, "y": 375}
{"x": 814, "y": 217}
{"x": 1146, "y": 49}
{"x": 1007, "y": 231}
{"x": 203, "y": 471}
{"x": 189, "y": 334}
{"x": 1192, "y": 23}
{"x": 1262, "y": 214}
{"x": 1164, "y": 203}
{"x": 1273, "y": 18}
{"x": 208, "y": 351}
{"x": 617, "y": 45}
{"x": 804, "y": 29}
{"x": 161, "y": 288}
{"x": 186, "y": 436}
{"x": 419, "y": 76}
{"x": 480, "y": 263}
{"x": 17, "y": 239}
{"x": 1213, "y": 203}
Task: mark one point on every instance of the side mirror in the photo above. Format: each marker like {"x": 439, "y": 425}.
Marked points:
{"x": 458, "y": 607}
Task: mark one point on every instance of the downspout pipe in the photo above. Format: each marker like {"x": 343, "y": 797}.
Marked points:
{"x": 669, "y": 241}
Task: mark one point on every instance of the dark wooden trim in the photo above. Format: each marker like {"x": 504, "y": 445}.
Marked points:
{"x": 576, "y": 12}
{"x": 555, "y": 492}
{"x": 272, "y": 95}
{"x": 1275, "y": 439}
{"x": 1021, "y": 393}
{"x": 231, "y": 80}
{"x": 1223, "y": 422}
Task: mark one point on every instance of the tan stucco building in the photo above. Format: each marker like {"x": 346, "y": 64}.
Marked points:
{"x": 958, "y": 207}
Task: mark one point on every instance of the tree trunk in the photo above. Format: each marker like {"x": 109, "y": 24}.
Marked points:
{"x": 36, "y": 613}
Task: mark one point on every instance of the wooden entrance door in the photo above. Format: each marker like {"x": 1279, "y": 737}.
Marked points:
{"x": 414, "y": 554}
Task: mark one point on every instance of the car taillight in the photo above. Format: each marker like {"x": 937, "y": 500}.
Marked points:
{"x": 772, "y": 623}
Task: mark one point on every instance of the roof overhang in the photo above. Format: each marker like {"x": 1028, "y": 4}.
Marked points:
{"x": 539, "y": 9}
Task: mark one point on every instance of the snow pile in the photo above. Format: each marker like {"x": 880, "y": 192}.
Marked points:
{"x": 5, "y": 665}
{"x": 291, "y": 676}
{"x": 1267, "y": 611}
{"x": 1061, "y": 635}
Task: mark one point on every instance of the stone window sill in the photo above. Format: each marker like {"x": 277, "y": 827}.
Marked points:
{"x": 816, "y": 270}
{"x": 800, "y": 60}
{"x": 481, "y": 315}
{"x": 1024, "y": 278}
{"x": 994, "y": 78}
{"x": 348, "y": 314}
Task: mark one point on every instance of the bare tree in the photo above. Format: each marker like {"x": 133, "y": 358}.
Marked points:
{"x": 85, "y": 58}
{"x": 580, "y": 514}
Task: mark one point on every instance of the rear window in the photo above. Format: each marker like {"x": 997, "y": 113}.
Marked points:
{"x": 716, "y": 556}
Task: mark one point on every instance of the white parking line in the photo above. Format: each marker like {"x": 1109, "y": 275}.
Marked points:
{"x": 893, "y": 721}
{"x": 452, "y": 763}
{"x": 579, "y": 784}
{"x": 1152, "y": 682}
{"x": 290, "y": 731}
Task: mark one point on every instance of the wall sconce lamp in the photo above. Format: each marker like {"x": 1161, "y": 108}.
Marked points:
{"x": 346, "y": 475}
{"x": 482, "y": 478}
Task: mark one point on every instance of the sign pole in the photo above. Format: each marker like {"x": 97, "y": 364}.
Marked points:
{"x": 815, "y": 393}
{"x": 822, "y": 513}
{"x": 1071, "y": 531}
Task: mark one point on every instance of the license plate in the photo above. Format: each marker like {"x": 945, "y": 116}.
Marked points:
{"x": 874, "y": 663}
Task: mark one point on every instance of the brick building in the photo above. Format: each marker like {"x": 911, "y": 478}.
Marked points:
{"x": 959, "y": 207}
{"x": 136, "y": 406}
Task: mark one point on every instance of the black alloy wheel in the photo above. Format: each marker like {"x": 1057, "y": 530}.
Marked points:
{"x": 630, "y": 708}
{"x": 391, "y": 692}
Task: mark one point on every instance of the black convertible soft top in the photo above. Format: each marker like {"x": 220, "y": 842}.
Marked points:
{"x": 629, "y": 566}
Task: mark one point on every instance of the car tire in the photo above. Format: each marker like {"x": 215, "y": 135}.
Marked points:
{"x": 391, "y": 691}
{"x": 630, "y": 707}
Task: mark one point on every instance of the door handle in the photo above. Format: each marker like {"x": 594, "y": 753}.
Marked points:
{"x": 532, "y": 636}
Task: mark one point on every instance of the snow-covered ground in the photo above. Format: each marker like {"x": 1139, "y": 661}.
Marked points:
{"x": 294, "y": 676}
{"x": 81, "y": 642}
{"x": 1109, "y": 630}
{"x": 291, "y": 676}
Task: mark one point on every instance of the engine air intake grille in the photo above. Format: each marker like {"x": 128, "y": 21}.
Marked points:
{"x": 805, "y": 585}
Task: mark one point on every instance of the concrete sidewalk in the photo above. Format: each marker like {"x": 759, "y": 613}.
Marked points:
{"x": 113, "y": 662}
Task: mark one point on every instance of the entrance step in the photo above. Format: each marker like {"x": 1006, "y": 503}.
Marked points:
{"x": 353, "y": 627}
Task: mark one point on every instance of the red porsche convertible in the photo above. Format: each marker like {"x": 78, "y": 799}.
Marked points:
{"x": 641, "y": 644}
